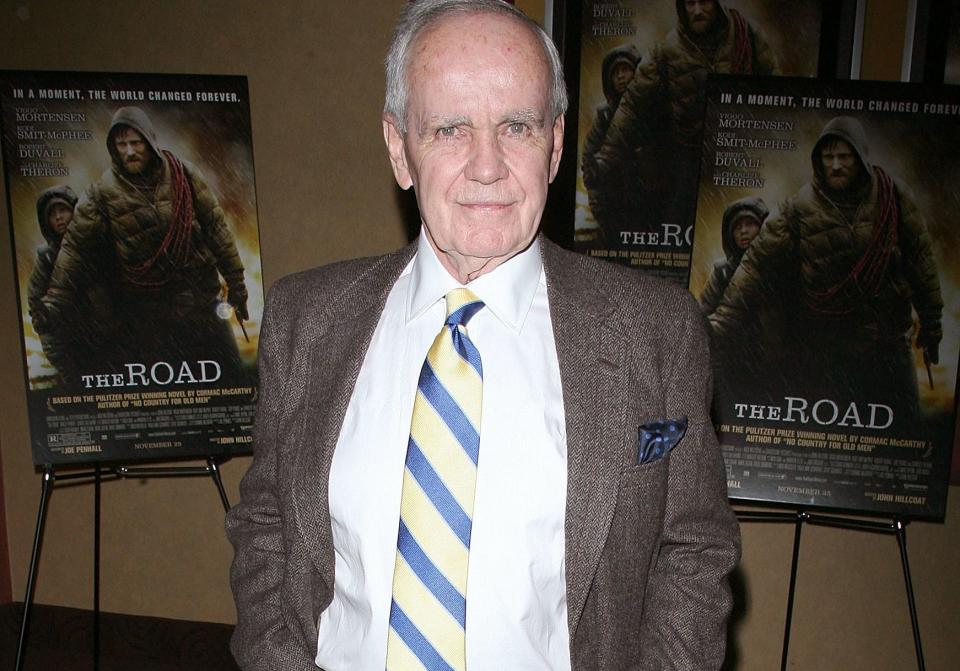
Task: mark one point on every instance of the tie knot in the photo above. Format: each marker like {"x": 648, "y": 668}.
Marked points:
{"x": 461, "y": 306}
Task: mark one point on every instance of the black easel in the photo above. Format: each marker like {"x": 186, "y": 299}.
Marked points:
{"x": 897, "y": 527}
{"x": 50, "y": 477}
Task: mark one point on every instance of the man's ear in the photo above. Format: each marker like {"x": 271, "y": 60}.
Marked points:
{"x": 558, "y": 127}
{"x": 398, "y": 157}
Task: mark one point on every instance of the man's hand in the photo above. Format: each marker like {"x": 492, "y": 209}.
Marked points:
{"x": 237, "y": 297}
{"x": 929, "y": 341}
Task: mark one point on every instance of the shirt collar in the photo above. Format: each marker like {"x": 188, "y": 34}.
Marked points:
{"x": 507, "y": 290}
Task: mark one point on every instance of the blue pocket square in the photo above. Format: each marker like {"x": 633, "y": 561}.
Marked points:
{"x": 656, "y": 439}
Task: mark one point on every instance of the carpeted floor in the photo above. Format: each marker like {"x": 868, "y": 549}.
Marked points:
{"x": 61, "y": 639}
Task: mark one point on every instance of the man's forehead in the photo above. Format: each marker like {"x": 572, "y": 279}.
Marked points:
{"x": 836, "y": 145}
{"x": 462, "y": 50}
{"x": 127, "y": 133}
{"x": 489, "y": 32}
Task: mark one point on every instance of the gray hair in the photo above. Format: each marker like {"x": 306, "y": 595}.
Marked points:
{"x": 417, "y": 16}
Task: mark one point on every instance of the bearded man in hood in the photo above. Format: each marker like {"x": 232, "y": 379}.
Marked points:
{"x": 647, "y": 167}
{"x": 849, "y": 258}
{"x": 152, "y": 232}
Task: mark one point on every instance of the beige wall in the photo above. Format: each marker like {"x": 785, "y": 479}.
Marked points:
{"x": 325, "y": 192}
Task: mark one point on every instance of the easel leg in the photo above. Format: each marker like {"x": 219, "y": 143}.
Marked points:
{"x": 901, "y": 533}
{"x": 96, "y": 569}
{"x": 214, "y": 469}
{"x": 45, "y": 490}
{"x": 801, "y": 517}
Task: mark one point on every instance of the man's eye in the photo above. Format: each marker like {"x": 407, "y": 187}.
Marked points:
{"x": 447, "y": 131}
{"x": 517, "y": 128}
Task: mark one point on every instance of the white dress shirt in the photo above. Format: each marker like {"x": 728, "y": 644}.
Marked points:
{"x": 516, "y": 591}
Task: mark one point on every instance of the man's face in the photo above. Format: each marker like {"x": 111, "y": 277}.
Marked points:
{"x": 481, "y": 144}
{"x": 59, "y": 217}
{"x": 621, "y": 76}
{"x": 700, "y": 14}
{"x": 132, "y": 149}
{"x": 745, "y": 229}
{"x": 840, "y": 164}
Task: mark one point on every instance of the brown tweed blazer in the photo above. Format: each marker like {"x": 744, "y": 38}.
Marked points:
{"x": 648, "y": 547}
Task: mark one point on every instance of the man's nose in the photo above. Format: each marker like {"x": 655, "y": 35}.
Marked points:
{"x": 486, "y": 164}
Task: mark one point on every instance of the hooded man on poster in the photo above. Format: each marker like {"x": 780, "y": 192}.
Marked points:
{"x": 647, "y": 167}
{"x": 152, "y": 232}
{"x": 849, "y": 261}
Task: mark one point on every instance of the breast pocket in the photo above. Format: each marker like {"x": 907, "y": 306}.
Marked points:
{"x": 641, "y": 505}
{"x": 651, "y": 476}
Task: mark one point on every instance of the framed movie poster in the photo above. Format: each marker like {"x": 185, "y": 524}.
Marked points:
{"x": 133, "y": 213}
{"x": 643, "y": 67}
{"x": 825, "y": 262}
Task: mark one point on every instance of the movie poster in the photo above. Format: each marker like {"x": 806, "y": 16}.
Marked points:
{"x": 133, "y": 213}
{"x": 643, "y": 69}
{"x": 825, "y": 261}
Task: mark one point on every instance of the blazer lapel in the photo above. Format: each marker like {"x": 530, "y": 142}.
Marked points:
{"x": 593, "y": 375}
{"x": 335, "y": 360}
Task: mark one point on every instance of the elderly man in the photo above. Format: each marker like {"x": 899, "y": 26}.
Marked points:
{"x": 535, "y": 487}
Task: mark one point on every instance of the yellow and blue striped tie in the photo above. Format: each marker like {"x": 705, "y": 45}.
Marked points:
{"x": 428, "y": 613}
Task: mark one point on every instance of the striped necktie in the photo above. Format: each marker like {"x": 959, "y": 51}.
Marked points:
{"x": 429, "y": 609}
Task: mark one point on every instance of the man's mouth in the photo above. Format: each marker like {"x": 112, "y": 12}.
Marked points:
{"x": 480, "y": 211}
{"x": 482, "y": 205}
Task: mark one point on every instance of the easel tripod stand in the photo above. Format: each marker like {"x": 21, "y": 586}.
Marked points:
{"x": 97, "y": 475}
